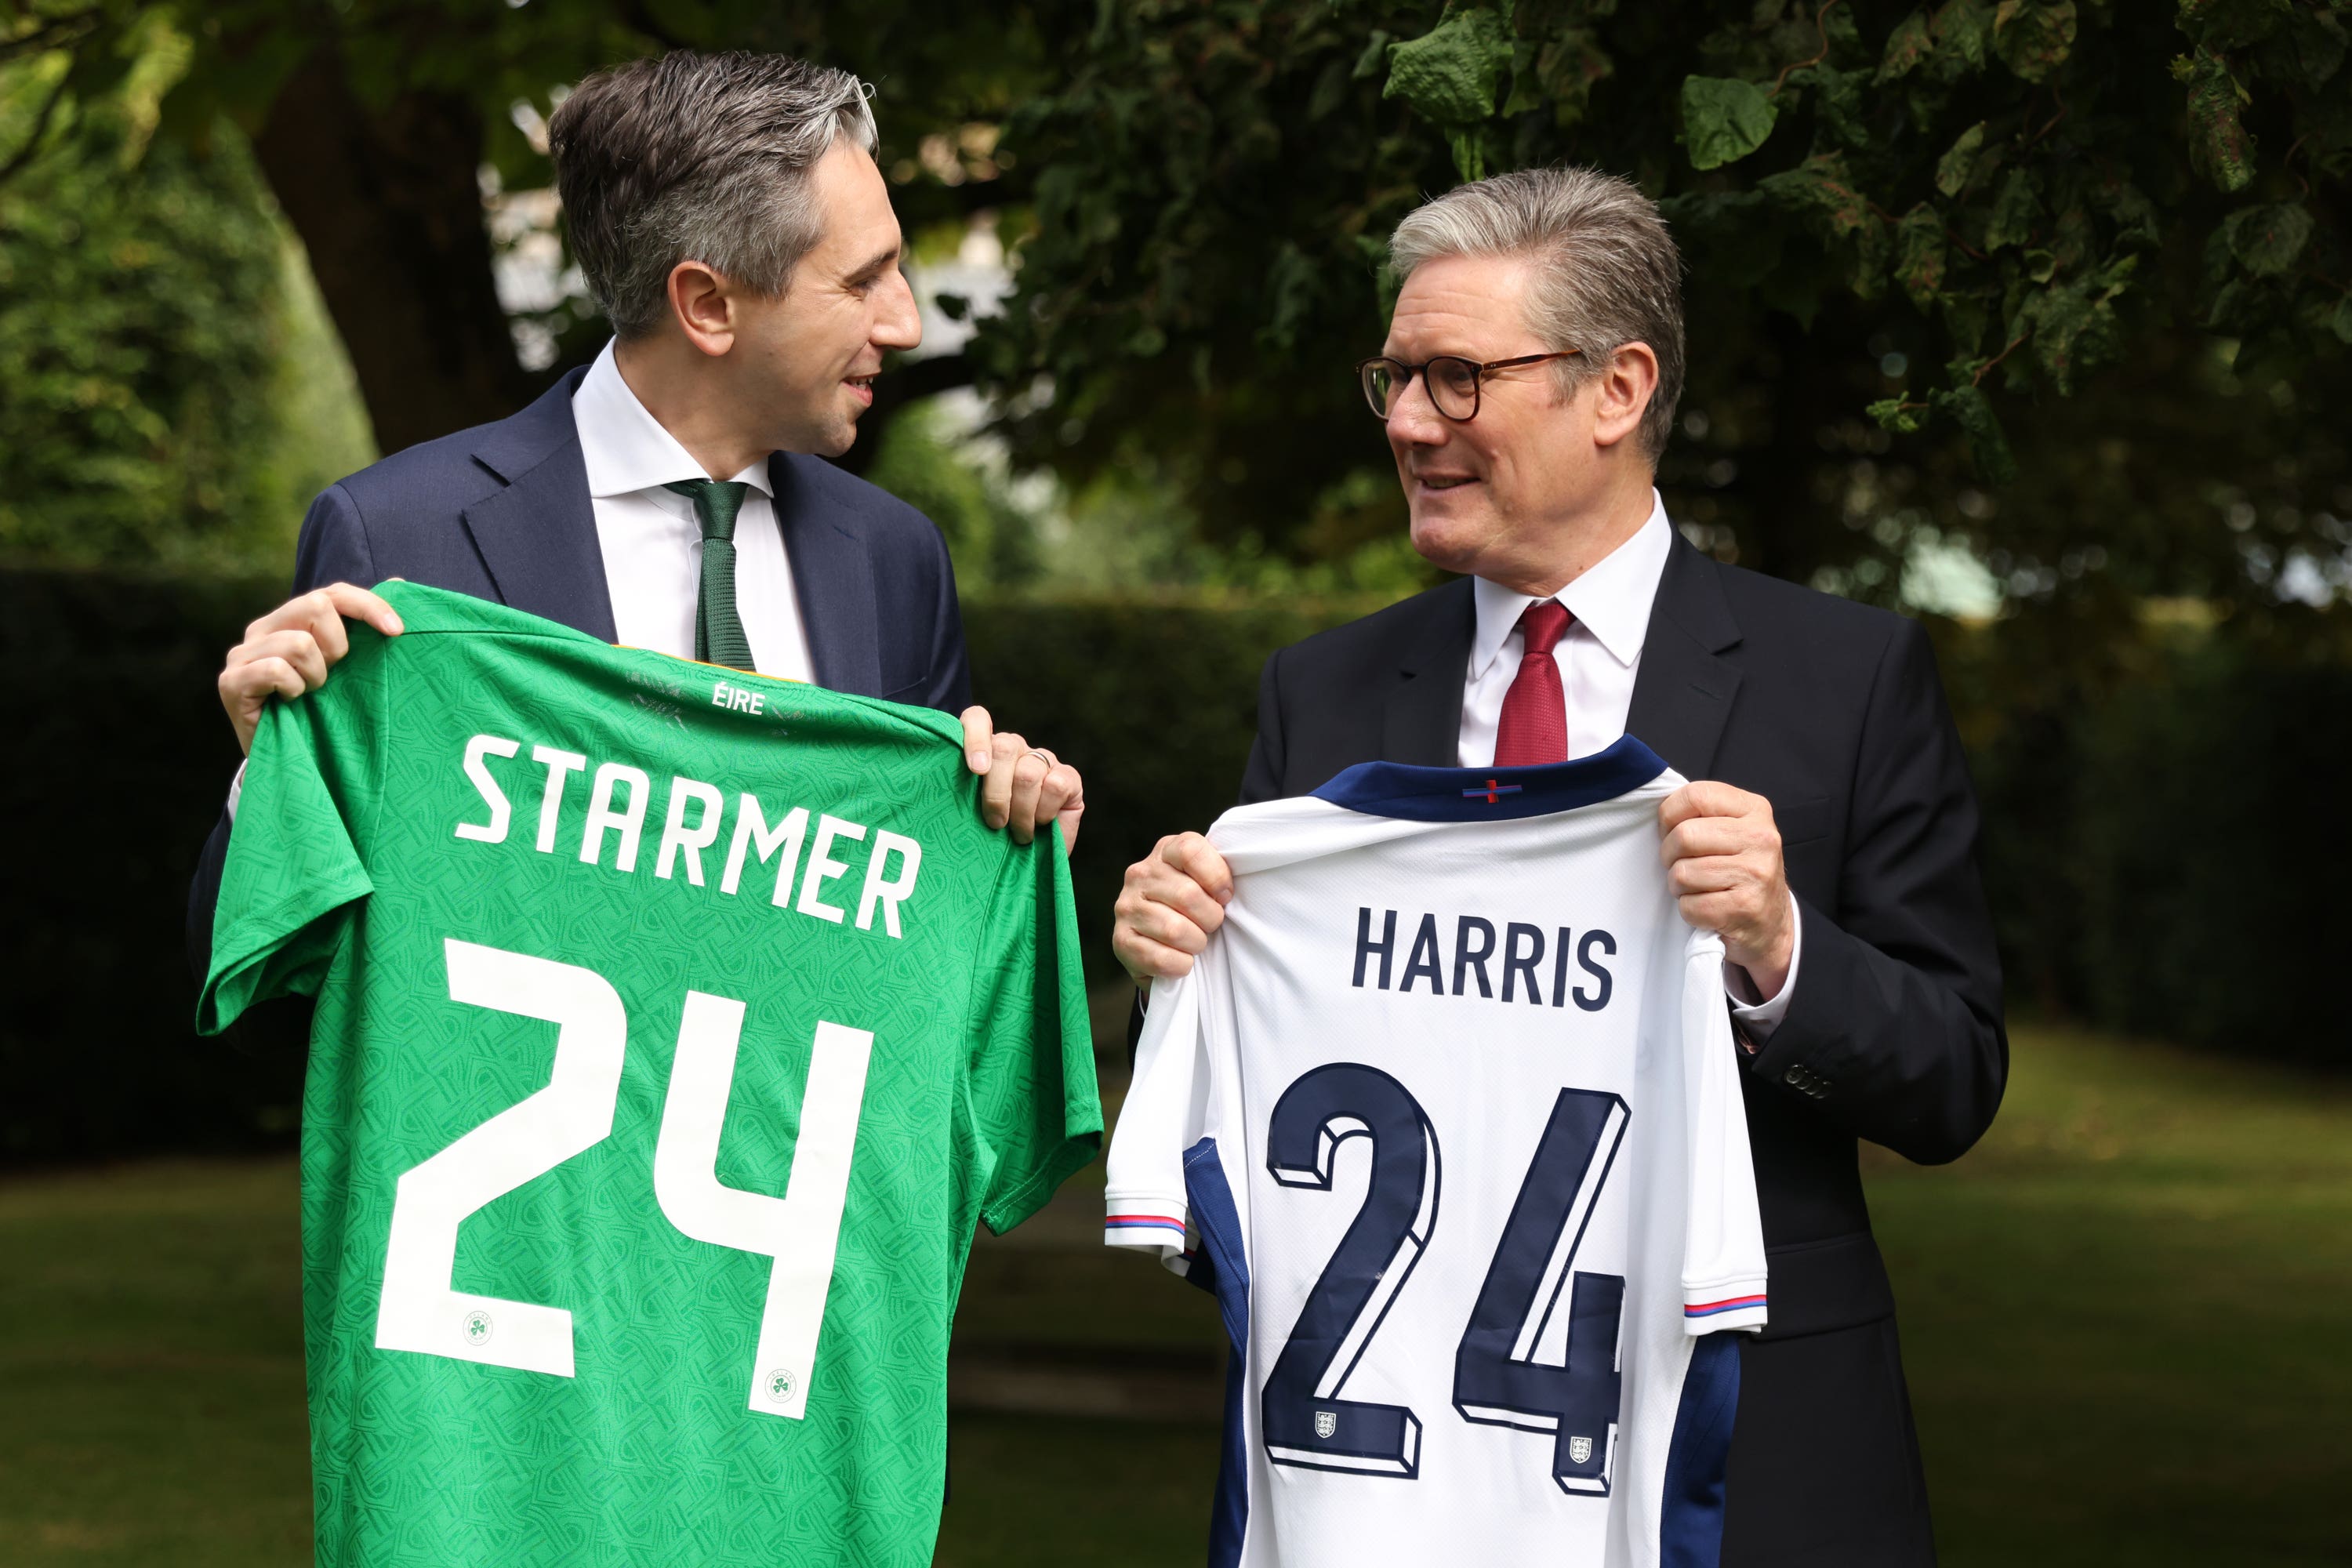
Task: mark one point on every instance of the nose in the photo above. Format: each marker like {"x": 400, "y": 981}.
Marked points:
{"x": 897, "y": 323}
{"x": 1413, "y": 420}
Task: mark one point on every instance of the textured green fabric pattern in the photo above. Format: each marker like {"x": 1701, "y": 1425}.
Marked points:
{"x": 594, "y": 846}
{"x": 718, "y": 635}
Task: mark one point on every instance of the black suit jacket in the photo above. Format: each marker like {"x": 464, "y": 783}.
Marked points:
{"x": 1834, "y": 713}
{"x": 502, "y": 511}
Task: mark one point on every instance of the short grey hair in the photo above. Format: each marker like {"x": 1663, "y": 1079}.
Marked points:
{"x": 697, "y": 157}
{"x": 1607, "y": 272}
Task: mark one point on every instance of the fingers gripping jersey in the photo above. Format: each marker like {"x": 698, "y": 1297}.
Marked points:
{"x": 674, "y": 1027}
{"x": 1448, "y": 1115}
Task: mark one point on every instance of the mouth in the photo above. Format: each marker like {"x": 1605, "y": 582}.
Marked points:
{"x": 1439, "y": 483}
{"x": 860, "y": 387}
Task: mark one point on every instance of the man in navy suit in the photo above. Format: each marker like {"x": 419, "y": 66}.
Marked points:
{"x": 727, "y": 216}
{"x": 1828, "y": 834}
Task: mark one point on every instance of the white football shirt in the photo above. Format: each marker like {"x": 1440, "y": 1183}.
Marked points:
{"x": 1448, "y": 1115}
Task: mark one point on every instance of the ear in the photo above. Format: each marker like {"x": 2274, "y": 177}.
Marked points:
{"x": 1621, "y": 393}
{"x": 702, "y": 303}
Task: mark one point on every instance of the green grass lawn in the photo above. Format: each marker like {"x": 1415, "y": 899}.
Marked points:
{"x": 2124, "y": 1318}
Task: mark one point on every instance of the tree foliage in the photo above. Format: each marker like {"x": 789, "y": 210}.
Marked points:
{"x": 373, "y": 119}
{"x": 1975, "y": 269}
{"x": 142, "y": 325}
{"x": 2060, "y": 280}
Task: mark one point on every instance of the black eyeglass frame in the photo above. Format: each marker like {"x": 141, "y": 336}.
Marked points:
{"x": 1479, "y": 372}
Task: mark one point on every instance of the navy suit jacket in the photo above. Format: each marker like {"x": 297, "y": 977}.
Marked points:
{"x": 501, "y": 512}
{"x": 1833, "y": 711}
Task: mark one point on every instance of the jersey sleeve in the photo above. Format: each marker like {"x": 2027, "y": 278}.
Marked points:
{"x": 1723, "y": 1239}
{"x": 1032, "y": 1095}
{"x": 294, "y": 871}
{"x": 1144, "y": 1203}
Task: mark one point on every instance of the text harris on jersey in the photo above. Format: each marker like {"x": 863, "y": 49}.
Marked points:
{"x": 1474, "y": 945}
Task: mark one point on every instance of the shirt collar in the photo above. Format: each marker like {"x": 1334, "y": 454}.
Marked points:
{"x": 1612, "y": 600}
{"x": 625, "y": 448}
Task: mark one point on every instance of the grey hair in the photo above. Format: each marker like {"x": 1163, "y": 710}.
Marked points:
{"x": 1607, "y": 272}
{"x": 698, "y": 157}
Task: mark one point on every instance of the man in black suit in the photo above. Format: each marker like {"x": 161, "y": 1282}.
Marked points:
{"x": 1527, "y": 387}
{"x": 727, "y": 216}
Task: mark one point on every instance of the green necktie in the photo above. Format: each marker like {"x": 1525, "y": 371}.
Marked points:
{"x": 717, "y": 631}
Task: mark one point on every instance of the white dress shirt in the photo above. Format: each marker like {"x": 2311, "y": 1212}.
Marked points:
{"x": 1599, "y": 657}
{"x": 653, "y": 545}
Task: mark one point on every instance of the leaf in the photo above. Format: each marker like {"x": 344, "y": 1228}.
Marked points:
{"x": 2237, "y": 310}
{"x": 1469, "y": 150}
{"x": 2341, "y": 322}
{"x": 1569, "y": 67}
{"x": 2267, "y": 239}
{"x": 1973, "y": 412}
{"x": 2219, "y": 145}
{"x": 2015, "y": 211}
{"x": 1820, "y": 187}
{"x": 1872, "y": 250}
{"x": 1961, "y": 29}
{"x": 2033, "y": 37}
{"x": 2225, "y": 25}
{"x": 1894, "y": 414}
{"x": 1724, "y": 119}
{"x": 1966, "y": 318}
{"x": 1838, "y": 101}
{"x": 2127, "y": 206}
{"x": 2073, "y": 330}
{"x": 1449, "y": 74}
{"x": 1921, "y": 254}
{"x": 2311, "y": 48}
{"x": 1526, "y": 86}
{"x": 1952, "y": 168}
{"x": 1908, "y": 45}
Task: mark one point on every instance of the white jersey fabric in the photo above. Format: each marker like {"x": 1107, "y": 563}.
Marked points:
{"x": 1449, "y": 1117}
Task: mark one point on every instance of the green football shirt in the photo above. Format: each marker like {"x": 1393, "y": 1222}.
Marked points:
{"x": 674, "y": 1027}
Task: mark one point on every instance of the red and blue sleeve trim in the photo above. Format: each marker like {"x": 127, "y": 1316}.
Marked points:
{"x": 1143, "y": 1222}
{"x": 1729, "y": 1304}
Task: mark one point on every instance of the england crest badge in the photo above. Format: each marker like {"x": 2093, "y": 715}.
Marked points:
{"x": 1579, "y": 1449}
{"x": 1327, "y": 1422}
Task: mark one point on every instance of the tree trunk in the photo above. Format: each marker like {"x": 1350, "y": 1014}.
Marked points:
{"x": 387, "y": 202}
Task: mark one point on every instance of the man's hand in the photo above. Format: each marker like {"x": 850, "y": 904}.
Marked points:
{"x": 1023, "y": 786}
{"x": 1722, "y": 852}
{"x": 1173, "y": 898}
{"x": 290, "y": 650}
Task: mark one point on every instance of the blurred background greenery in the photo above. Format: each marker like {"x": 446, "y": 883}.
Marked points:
{"x": 2029, "y": 318}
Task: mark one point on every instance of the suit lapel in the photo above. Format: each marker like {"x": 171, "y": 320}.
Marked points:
{"x": 833, "y": 581}
{"x": 1421, "y": 723}
{"x": 537, "y": 537}
{"x": 1683, "y": 694}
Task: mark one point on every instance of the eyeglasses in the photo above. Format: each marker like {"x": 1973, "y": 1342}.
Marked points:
{"x": 1452, "y": 382}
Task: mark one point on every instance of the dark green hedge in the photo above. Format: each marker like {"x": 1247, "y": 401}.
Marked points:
{"x": 118, "y": 760}
{"x": 1154, "y": 704}
{"x": 2158, "y": 862}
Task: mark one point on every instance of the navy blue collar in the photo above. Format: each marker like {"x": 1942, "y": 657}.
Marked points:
{"x": 1485, "y": 794}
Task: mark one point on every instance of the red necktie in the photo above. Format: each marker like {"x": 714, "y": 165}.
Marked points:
{"x": 1534, "y": 727}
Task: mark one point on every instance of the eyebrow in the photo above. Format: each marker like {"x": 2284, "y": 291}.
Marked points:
{"x": 875, "y": 266}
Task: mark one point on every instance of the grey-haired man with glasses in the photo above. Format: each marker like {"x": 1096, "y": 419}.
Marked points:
{"x": 1526, "y": 389}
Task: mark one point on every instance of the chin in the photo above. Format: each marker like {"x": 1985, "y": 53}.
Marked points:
{"x": 1453, "y": 543}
